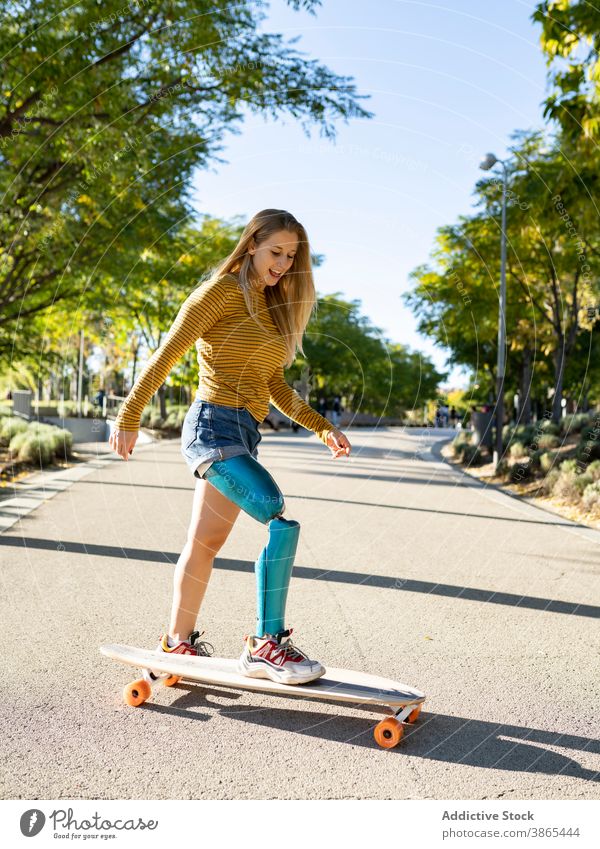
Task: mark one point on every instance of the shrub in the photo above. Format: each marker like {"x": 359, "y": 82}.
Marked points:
{"x": 459, "y": 442}
{"x": 549, "y": 427}
{"x": 171, "y": 419}
{"x": 10, "y": 426}
{"x": 510, "y": 434}
{"x": 39, "y": 429}
{"x": 38, "y": 450}
{"x": 591, "y": 431}
{"x": 15, "y": 443}
{"x": 548, "y": 440}
{"x": 536, "y": 458}
{"x": 589, "y": 444}
{"x": 591, "y": 496}
{"x": 571, "y": 485}
{"x": 525, "y": 433}
{"x": 59, "y": 440}
{"x": 569, "y": 466}
{"x": 175, "y": 417}
{"x": 145, "y": 417}
{"x": 588, "y": 451}
{"x": 156, "y": 420}
{"x": 547, "y": 460}
{"x": 582, "y": 481}
{"x": 517, "y": 449}
{"x": 565, "y": 485}
{"x": 594, "y": 470}
{"x": 574, "y": 423}
{"x": 63, "y": 443}
{"x": 521, "y": 471}
{"x": 549, "y": 481}
{"x": 470, "y": 454}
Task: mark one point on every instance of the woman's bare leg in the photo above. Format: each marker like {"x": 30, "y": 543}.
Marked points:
{"x": 213, "y": 516}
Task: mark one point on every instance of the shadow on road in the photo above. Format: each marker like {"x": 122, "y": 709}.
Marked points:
{"x": 437, "y": 737}
{"x": 547, "y": 605}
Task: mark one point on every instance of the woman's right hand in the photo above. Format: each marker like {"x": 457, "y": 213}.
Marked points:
{"x": 122, "y": 442}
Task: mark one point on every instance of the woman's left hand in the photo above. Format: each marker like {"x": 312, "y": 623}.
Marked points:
{"x": 338, "y": 443}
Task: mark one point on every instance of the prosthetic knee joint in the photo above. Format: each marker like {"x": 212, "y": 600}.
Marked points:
{"x": 249, "y": 485}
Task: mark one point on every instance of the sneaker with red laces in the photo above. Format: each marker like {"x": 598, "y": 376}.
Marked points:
{"x": 274, "y": 656}
{"x": 193, "y": 645}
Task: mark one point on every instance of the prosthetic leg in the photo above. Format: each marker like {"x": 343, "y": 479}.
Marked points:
{"x": 248, "y": 484}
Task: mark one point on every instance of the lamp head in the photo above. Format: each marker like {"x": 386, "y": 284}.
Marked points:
{"x": 488, "y": 162}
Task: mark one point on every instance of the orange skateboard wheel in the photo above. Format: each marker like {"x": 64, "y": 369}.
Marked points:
{"x": 388, "y": 732}
{"x": 172, "y": 680}
{"x": 136, "y": 693}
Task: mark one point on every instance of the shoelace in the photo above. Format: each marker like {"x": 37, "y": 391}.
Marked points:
{"x": 290, "y": 650}
{"x": 201, "y": 645}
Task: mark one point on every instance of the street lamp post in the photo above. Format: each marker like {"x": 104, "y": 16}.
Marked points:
{"x": 487, "y": 163}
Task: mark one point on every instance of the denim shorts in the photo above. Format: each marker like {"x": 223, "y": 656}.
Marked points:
{"x": 214, "y": 432}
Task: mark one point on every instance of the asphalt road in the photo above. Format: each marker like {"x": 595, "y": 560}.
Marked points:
{"x": 406, "y": 568}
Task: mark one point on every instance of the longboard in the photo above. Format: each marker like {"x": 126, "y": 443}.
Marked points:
{"x": 343, "y": 685}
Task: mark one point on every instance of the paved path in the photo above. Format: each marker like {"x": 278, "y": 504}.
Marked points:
{"x": 406, "y": 567}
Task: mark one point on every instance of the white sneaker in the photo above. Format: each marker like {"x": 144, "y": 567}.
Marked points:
{"x": 193, "y": 645}
{"x": 274, "y": 656}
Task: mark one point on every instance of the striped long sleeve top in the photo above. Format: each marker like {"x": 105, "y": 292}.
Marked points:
{"x": 240, "y": 364}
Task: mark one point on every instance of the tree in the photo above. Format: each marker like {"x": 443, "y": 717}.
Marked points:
{"x": 552, "y": 269}
{"x": 570, "y": 39}
{"x": 162, "y": 283}
{"x": 105, "y": 112}
{"x": 555, "y": 258}
{"x": 348, "y": 356}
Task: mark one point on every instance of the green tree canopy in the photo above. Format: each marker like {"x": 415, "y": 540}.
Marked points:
{"x": 106, "y": 110}
{"x": 553, "y": 267}
{"x": 348, "y": 356}
{"x": 570, "y": 39}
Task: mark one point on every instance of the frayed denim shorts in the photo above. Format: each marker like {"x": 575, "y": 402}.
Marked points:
{"x": 214, "y": 432}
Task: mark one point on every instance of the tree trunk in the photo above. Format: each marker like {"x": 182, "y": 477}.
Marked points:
{"x": 559, "y": 358}
{"x": 162, "y": 399}
{"x": 135, "y": 357}
{"x": 525, "y": 389}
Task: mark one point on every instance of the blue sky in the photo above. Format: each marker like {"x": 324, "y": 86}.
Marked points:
{"x": 449, "y": 81}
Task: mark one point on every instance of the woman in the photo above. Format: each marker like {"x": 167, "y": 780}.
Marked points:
{"x": 247, "y": 319}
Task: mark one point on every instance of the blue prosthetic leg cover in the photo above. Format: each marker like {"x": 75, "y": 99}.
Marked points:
{"x": 248, "y": 484}
{"x": 244, "y": 481}
{"x": 273, "y": 571}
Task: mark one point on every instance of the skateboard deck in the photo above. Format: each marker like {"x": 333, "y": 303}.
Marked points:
{"x": 343, "y": 685}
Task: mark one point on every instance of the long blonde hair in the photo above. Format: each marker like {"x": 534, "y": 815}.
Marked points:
{"x": 293, "y": 299}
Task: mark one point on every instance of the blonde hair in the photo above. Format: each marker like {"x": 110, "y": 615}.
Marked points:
{"x": 293, "y": 299}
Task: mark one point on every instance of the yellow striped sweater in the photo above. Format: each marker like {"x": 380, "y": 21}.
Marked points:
{"x": 240, "y": 364}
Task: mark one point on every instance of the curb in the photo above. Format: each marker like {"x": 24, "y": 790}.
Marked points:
{"x": 38, "y": 487}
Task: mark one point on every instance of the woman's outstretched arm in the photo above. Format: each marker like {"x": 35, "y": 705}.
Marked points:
{"x": 291, "y": 404}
